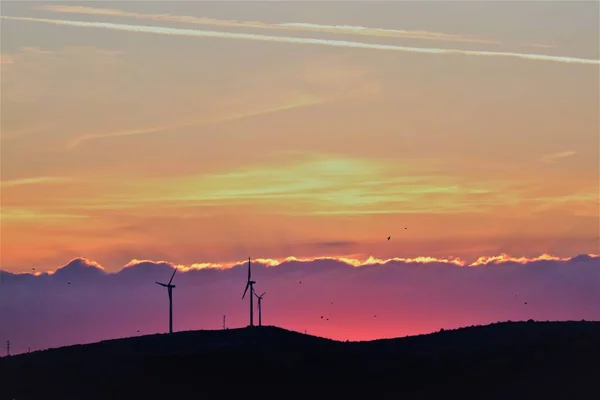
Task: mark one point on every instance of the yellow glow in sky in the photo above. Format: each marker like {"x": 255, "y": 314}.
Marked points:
{"x": 121, "y": 143}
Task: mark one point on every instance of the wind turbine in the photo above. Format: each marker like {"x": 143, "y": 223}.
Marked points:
{"x": 260, "y": 307}
{"x": 170, "y": 291}
{"x": 250, "y": 284}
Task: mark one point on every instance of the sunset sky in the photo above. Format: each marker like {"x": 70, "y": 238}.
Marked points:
{"x": 205, "y": 132}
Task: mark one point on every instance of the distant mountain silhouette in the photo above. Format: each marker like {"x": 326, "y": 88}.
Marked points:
{"x": 522, "y": 360}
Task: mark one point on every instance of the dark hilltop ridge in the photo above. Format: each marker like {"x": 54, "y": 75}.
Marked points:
{"x": 522, "y": 360}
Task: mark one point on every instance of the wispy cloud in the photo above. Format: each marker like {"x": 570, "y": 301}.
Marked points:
{"x": 331, "y": 185}
{"x": 336, "y": 244}
{"x": 6, "y": 134}
{"x": 6, "y": 59}
{"x": 299, "y": 102}
{"x": 320, "y": 184}
{"x": 19, "y": 214}
{"x": 551, "y": 158}
{"x": 288, "y": 26}
{"x": 34, "y": 181}
{"x": 308, "y": 41}
{"x": 50, "y": 74}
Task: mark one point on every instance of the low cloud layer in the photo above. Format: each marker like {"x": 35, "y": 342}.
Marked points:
{"x": 340, "y": 298}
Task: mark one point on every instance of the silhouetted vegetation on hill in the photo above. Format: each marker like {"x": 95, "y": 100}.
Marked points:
{"x": 515, "y": 359}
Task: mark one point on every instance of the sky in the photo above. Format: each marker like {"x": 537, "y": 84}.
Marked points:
{"x": 197, "y": 133}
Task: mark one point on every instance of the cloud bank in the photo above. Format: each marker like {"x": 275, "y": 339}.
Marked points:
{"x": 299, "y": 40}
{"x": 342, "y": 298}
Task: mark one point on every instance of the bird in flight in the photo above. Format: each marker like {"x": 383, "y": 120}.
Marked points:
{"x": 389, "y": 237}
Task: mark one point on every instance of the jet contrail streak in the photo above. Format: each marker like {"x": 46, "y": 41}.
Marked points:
{"x": 296, "y": 40}
{"x": 336, "y": 29}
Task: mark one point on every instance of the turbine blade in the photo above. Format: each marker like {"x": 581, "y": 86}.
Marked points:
{"x": 161, "y": 284}
{"x": 249, "y": 270}
{"x": 172, "y": 276}
{"x": 245, "y": 290}
{"x": 263, "y": 294}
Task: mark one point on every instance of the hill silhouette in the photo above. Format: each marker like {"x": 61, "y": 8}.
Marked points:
{"x": 516, "y": 359}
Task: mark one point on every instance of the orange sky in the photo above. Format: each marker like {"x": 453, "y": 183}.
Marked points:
{"x": 119, "y": 145}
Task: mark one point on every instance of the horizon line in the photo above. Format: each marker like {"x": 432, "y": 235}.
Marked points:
{"x": 307, "y": 333}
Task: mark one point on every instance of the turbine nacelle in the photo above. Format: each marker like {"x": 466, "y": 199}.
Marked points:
{"x": 249, "y": 284}
{"x": 259, "y": 307}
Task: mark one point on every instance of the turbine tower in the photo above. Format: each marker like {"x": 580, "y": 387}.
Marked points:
{"x": 170, "y": 291}
{"x": 260, "y": 307}
{"x": 250, "y": 284}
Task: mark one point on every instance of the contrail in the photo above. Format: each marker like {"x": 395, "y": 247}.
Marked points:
{"x": 296, "y": 40}
{"x": 298, "y": 104}
{"x": 335, "y": 29}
